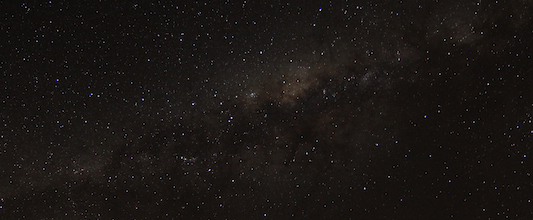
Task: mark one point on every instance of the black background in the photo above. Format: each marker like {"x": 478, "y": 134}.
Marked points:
{"x": 266, "y": 109}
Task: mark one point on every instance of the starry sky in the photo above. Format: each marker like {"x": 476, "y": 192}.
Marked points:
{"x": 266, "y": 109}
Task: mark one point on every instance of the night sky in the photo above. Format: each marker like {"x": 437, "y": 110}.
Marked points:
{"x": 266, "y": 109}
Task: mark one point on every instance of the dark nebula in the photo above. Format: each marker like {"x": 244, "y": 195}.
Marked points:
{"x": 266, "y": 109}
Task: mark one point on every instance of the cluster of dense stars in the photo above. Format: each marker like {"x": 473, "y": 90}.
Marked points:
{"x": 266, "y": 109}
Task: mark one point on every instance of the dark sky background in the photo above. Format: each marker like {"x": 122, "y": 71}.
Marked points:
{"x": 266, "y": 109}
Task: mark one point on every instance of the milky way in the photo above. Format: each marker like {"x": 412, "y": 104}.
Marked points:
{"x": 246, "y": 110}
